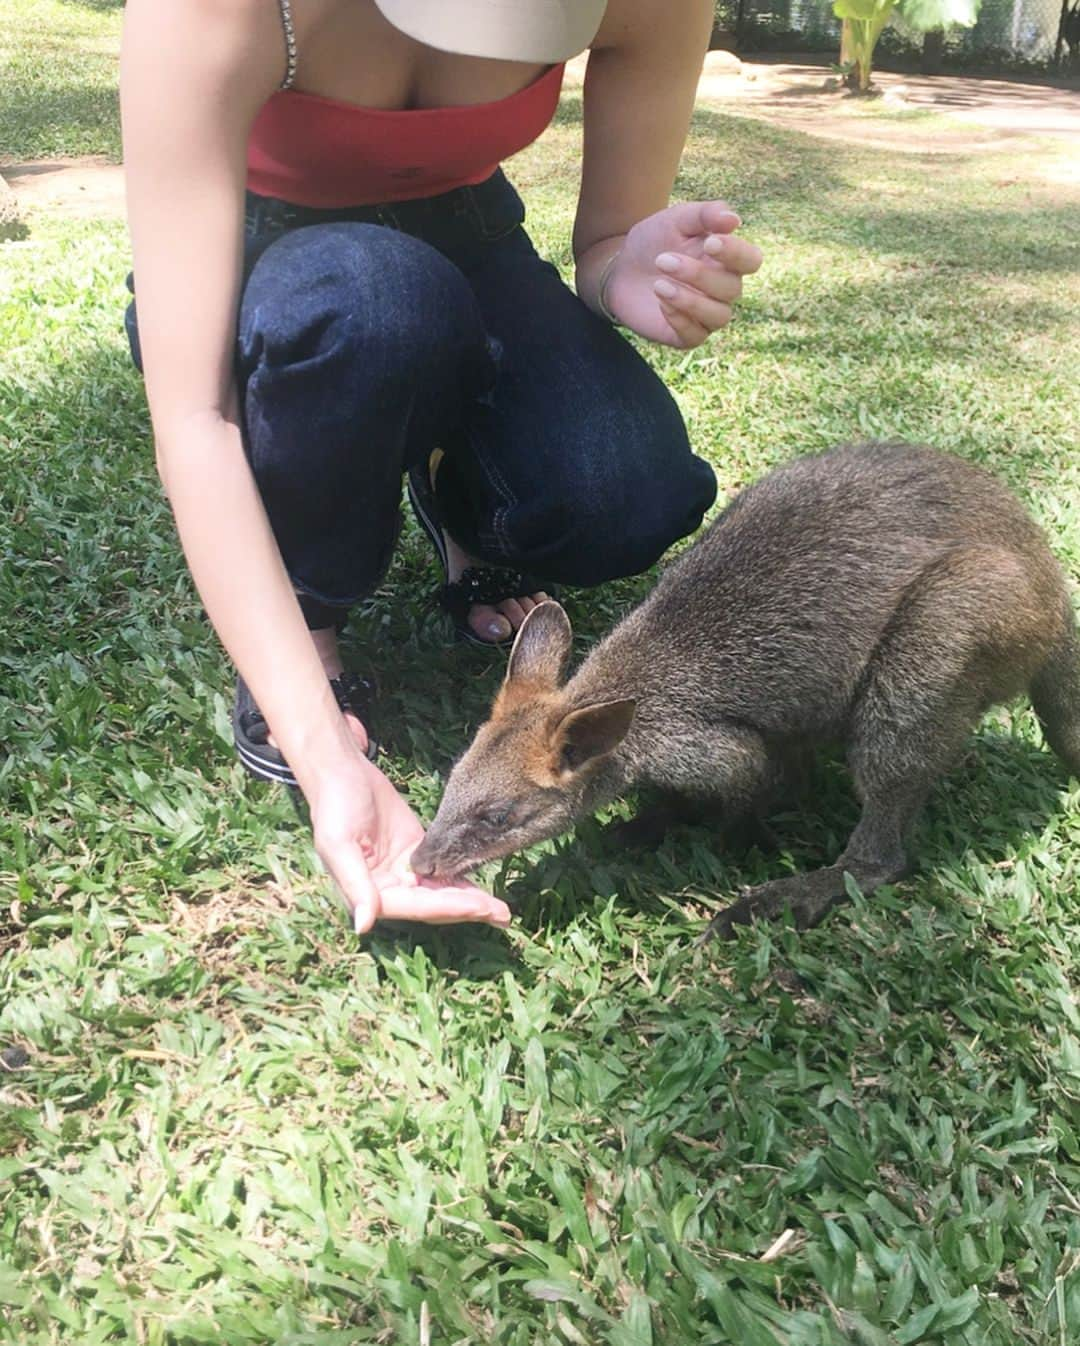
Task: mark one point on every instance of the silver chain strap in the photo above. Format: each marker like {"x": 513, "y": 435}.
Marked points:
{"x": 290, "y": 44}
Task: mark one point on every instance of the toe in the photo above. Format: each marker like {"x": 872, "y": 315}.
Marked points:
{"x": 512, "y": 610}
{"x": 488, "y": 624}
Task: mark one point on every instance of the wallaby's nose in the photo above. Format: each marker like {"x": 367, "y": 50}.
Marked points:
{"x": 423, "y": 861}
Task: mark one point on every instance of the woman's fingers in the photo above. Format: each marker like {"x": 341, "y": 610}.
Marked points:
{"x": 694, "y": 218}
{"x": 692, "y": 307}
{"x": 733, "y": 254}
{"x": 716, "y": 282}
{"x": 696, "y": 293}
{"x": 396, "y": 894}
{"x": 441, "y": 904}
{"x": 717, "y": 217}
{"x": 349, "y": 869}
{"x": 688, "y": 331}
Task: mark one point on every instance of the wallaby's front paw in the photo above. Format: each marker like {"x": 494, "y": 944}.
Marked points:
{"x": 809, "y": 897}
{"x": 722, "y": 925}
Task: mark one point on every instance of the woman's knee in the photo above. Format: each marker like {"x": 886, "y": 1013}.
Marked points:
{"x": 351, "y": 288}
{"x": 629, "y": 488}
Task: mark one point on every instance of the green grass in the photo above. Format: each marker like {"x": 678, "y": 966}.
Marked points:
{"x": 238, "y": 1123}
{"x": 58, "y": 63}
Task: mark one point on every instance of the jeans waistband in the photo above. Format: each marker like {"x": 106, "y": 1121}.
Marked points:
{"x": 455, "y": 222}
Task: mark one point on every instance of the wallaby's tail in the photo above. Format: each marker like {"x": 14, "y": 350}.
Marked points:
{"x": 1055, "y": 694}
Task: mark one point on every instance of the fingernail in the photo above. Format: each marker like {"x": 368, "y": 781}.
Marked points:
{"x": 356, "y": 921}
{"x": 714, "y": 243}
{"x": 665, "y": 289}
{"x": 669, "y": 261}
{"x": 496, "y": 629}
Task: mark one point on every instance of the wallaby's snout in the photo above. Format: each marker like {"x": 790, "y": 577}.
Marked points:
{"x": 526, "y": 775}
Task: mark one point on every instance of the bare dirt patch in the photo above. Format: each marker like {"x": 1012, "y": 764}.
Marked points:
{"x": 918, "y": 114}
{"x": 89, "y": 187}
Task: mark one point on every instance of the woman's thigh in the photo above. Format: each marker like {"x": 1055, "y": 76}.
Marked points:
{"x": 356, "y": 345}
{"x": 577, "y": 465}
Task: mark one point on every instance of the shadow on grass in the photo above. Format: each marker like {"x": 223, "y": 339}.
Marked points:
{"x": 767, "y": 169}
{"x": 66, "y": 119}
{"x": 1001, "y": 241}
{"x": 992, "y": 806}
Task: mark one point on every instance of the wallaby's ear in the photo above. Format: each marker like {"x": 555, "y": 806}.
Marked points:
{"x": 542, "y": 647}
{"x": 586, "y": 734}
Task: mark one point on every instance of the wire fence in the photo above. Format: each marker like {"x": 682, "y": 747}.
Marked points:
{"x": 1009, "y": 34}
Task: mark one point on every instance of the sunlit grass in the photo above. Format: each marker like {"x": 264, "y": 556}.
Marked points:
{"x": 224, "y": 1119}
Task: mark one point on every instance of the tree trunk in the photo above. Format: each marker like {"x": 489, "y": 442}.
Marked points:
{"x": 846, "y": 54}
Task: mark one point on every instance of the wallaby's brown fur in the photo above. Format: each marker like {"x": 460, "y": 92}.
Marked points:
{"x": 882, "y": 595}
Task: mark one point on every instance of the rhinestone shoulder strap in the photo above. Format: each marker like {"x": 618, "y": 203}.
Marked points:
{"x": 290, "y": 43}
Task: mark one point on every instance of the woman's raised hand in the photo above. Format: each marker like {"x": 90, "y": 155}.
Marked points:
{"x": 679, "y": 273}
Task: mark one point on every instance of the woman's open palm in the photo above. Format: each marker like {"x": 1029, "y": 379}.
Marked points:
{"x": 365, "y": 833}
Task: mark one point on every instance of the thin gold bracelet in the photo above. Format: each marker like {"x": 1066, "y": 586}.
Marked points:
{"x": 601, "y": 290}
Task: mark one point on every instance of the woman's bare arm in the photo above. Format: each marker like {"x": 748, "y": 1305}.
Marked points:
{"x": 193, "y": 76}
{"x": 639, "y": 92}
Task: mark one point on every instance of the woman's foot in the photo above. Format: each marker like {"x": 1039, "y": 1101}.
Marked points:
{"x": 474, "y": 592}
{"x": 492, "y": 623}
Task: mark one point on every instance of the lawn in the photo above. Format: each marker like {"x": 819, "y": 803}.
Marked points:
{"x": 223, "y": 1118}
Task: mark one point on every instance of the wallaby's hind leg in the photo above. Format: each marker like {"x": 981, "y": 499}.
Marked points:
{"x": 940, "y": 664}
{"x": 1055, "y": 694}
{"x": 875, "y": 855}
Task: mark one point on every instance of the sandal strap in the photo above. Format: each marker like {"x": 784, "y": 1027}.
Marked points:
{"x": 487, "y": 585}
{"x": 249, "y": 717}
{"x": 352, "y": 692}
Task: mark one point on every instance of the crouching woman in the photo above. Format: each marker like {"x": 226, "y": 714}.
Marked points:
{"x": 335, "y": 289}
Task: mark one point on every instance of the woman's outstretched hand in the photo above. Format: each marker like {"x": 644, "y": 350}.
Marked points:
{"x": 365, "y": 833}
{"x": 679, "y": 273}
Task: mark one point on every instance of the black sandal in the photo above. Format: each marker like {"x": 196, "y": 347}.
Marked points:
{"x": 250, "y": 730}
{"x": 476, "y": 584}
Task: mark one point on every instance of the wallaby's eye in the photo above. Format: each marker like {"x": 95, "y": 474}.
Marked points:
{"x": 495, "y": 815}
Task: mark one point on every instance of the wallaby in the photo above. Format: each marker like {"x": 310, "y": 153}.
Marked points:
{"x": 879, "y": 595}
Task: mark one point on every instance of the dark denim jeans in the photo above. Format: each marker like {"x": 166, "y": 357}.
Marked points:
{"x": 369, "y": 337}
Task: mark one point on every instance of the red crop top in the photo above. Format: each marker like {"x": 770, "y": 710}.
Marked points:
{"x": 322, "y": 152}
